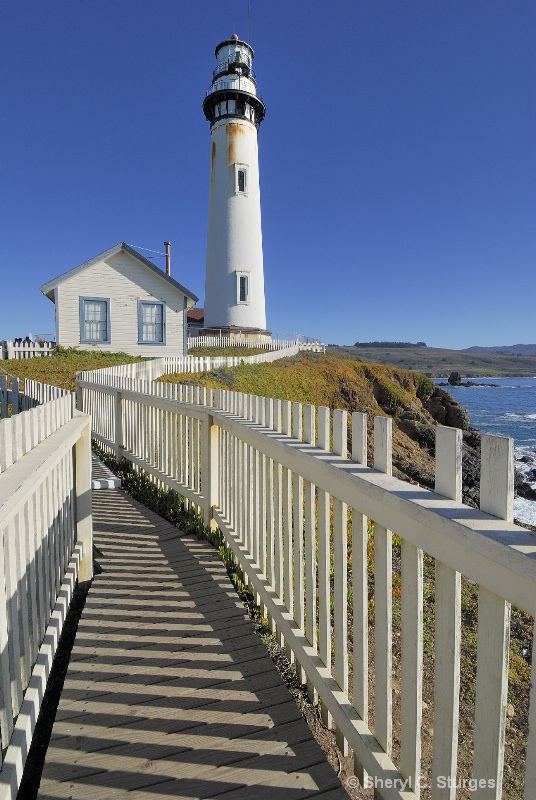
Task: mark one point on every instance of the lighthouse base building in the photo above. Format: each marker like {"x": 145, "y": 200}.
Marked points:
{"x": 234, "y": 288}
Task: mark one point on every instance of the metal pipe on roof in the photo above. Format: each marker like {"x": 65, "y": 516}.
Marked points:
{"x": 167, "y": 245}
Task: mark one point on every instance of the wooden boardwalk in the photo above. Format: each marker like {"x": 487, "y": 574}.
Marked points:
{"x": 169, "y": 692}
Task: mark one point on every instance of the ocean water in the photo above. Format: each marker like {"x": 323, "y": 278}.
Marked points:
{"x": 506, "y": 409}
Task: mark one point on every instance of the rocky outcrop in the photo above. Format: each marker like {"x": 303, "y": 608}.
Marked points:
{"x": 446, "y": 411}
{"x": 455, "y": 379}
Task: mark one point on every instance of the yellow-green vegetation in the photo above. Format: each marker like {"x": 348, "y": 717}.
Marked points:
{"x": 336, "y": 382}
{"x": 322, "y": 380}
{"x": 61, "y": 368}
{"x": 215, "y": 352}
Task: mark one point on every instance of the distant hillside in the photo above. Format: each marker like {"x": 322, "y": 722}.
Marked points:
{"x": 522, "y": 349}
{"x": 390, "y": 344}
{"x": 438, "y": 363}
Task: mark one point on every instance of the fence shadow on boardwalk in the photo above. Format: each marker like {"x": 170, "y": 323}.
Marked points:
{"x": 169, "y": 692}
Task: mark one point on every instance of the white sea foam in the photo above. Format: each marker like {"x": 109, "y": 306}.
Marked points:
{"x": 525, "y": 510}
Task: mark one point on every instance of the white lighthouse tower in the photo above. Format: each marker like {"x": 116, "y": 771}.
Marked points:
{"x": 234, "y": 289}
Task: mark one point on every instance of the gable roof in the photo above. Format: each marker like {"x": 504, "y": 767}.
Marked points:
{"x": 47, "y": 288}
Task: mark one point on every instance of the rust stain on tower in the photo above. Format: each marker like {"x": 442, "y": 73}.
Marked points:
{"x": 234, "y": 130}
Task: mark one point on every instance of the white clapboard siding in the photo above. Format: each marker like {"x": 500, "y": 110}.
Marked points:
{"x": 45, "y": 546}
{"x": 123, "y": 281}
{"x": 276, "y": 479}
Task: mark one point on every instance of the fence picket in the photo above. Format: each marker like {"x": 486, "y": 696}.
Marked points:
{"x": 297, "y": 518}
{"x": 383, "y": 591}
{"x": 448, "y": 482}
{"x": 340, "y": 566}
{"x": 324, "y": 560}
{"x": 360, "y": 589}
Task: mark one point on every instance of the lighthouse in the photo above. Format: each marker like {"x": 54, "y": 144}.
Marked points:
{"x": 234, "y": 287}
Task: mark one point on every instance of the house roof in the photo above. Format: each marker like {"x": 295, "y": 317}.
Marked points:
{"x": 48, "y": 288}
{"x": 196, "y": 313}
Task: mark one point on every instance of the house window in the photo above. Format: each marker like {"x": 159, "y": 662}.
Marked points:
{"x": 242, "y": 287}
{"x": 241, "y": 179}
{"x": 151, "y": 322}
{"x": 94, "y": 319}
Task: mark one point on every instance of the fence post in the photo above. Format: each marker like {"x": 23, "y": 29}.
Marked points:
{"x": 210, "y": 470}
{"x": 79, "y": 398}
{"x": 118, "y": 437}
{"x": 84, "y": 519}
{"x": 496, "y": 498}
{"x": 448, "y": 482}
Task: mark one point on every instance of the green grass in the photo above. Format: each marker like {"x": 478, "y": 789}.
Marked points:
{"x": 61, "y": 368}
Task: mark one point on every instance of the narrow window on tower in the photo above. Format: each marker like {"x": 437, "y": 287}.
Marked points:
{"x": 241, "y": 179}
{"x": 242, "y": 287}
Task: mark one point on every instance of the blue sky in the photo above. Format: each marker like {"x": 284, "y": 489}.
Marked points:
{"x": 397, "y": 157}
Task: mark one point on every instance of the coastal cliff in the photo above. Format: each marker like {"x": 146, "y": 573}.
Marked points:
{"x": 412, "y": 400}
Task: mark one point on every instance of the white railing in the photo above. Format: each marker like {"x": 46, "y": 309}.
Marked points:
{"x": 25, "y": 349}
{"x": 276, "y": 479}
{"x": 45, "y": 547}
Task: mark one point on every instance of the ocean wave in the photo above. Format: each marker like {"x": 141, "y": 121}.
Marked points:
{"x": 514, "y": 415}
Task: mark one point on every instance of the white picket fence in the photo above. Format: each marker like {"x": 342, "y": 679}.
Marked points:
{"x": 227, "y": 341}
{"x": 45, "y": 547}
{"x": 150, "y": 370}
{"x": 25, "y": 349}
{"x": 304, "y": 343}
{"x": 33, "y": 394}
{"x": 276, "y": 479}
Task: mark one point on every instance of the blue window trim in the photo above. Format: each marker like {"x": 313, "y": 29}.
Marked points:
{"x": 83, "y": 301}
{"x": 142, "y": 303}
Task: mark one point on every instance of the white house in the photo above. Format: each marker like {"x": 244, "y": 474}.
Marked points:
{"x": 120, "y": 301}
